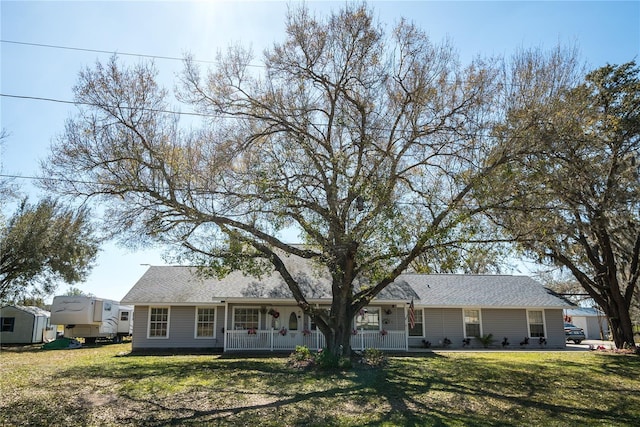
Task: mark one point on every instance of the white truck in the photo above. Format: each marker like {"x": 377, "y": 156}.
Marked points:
{"x": 92, "y": 318}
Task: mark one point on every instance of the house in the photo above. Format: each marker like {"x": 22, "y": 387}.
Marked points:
{"x": 592, "y": 321}
{"x": 25, "y": 325}
{"x": 175, "y": 307}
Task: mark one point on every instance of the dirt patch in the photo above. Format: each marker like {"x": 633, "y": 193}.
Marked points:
{"x": 20, "y": 348}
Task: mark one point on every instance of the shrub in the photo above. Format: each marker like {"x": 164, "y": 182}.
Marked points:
{"x": 301, "y": 353}
{"x": 374, "y": 357}
{"x": 327, "y": 360}
{"x": 486, "y": 340}
{"x": 301, "y": 357}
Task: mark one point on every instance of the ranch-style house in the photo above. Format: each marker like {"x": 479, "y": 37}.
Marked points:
{"x": 175, "y": 307}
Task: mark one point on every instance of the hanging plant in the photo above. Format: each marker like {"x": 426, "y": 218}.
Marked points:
{"x": 251, "y": 331}
{"x": 383, "y": 332}
{"x": 274, "y": 313}
{"x": 306, "y": 332}
{"x": 283, "y": 331}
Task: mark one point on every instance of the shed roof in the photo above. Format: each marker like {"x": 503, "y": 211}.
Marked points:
{"x": 33, "y": 310}
{"x": 183, "y": 285}
{"x": 584, "y": 312}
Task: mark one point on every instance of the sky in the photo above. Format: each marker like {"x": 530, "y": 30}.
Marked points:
{"x": 44, "y": 45}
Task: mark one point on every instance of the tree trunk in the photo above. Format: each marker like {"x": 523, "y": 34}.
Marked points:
{"x": 620, "y": 322}
{"x": 340, "y": 323}
{"x": 339, "y": 340}
{"x": 338, "y": 335}
{"x": 606, "y": 292}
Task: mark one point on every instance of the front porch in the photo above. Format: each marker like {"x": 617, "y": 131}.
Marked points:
{"x": 279, "y": 340}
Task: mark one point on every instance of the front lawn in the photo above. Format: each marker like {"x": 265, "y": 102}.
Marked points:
{"x": 106, "y": 386}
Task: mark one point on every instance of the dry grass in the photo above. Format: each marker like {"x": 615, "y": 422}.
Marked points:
{"x": 106, "y": 386}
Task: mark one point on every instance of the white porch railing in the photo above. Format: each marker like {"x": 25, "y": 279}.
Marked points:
{"x": 393, "y": 340}
{"x": 273, "y": 340}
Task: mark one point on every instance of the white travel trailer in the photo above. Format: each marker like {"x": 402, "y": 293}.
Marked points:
{"x": 92, "y": 318}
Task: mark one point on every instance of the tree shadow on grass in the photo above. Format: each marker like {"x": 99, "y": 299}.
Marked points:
{"x": 428, "y": 390}
{"x": 493, "y": 394}
{"x": 264, "y": 413}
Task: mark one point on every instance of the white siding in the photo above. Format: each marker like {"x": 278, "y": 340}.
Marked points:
{"x": 181, "y": 329}
{"x": 441, "y": 323}
{"x": 23, "y": 327}
{"x": 554, "y": 323}
{"x": 509, "y": 323}
{"x": 512, "y": 324}
{"x": 27, "y": 328}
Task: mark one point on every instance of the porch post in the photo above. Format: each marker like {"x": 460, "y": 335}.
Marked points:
{"x": 271, "y": 339}
{"x": 224, "y": 327}
{"x": 406, "y": 329}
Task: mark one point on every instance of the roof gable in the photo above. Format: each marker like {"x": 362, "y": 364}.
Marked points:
{"x": 33, "y": 310}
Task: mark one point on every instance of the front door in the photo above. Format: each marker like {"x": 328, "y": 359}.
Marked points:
{"x": 289, "y": 318}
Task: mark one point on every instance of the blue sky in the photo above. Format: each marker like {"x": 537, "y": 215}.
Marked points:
{"x": 604, "y": 32}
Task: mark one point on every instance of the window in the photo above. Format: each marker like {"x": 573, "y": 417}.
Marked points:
{"x": 159, "y": 322}
{"x": 7, "y": 323}
{"x": 205, "y": 322}
{"x": 417, "y": 330}
{"x": 124, "y": 316}
{"x": 368, "y": 319}
{"x": 472, "y": 323}
{"x": 245, "y": 318}
{"x": 536, "y": 324}
{"x": 293, "y": 322}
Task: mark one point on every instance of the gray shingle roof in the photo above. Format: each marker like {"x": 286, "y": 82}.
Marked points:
{"x": 183, "y": 285}
{"x": 584, "y": 312}
{"x": 459, "y": 290}
{"x": 174, "y": 284}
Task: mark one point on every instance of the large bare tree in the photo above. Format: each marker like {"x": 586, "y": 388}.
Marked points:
{"x": 365, "y": 142}
{"x": 575, "y": 195}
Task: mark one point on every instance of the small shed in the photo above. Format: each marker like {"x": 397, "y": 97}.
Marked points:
{"x": 24, "y": 325}
{"x": 591, "y": 320}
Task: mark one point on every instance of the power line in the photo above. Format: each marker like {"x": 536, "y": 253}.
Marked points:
{"x": 27, "y": 177}
{"x": 140, "y": 55}
{"x": 62, "y": 101}
{"x": 194, "y": 114}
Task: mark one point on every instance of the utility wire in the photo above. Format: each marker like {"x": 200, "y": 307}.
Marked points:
{"x": 140, "y": 55}
{"x": 62, "y": 101}
{"x": 223, "y": 116}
